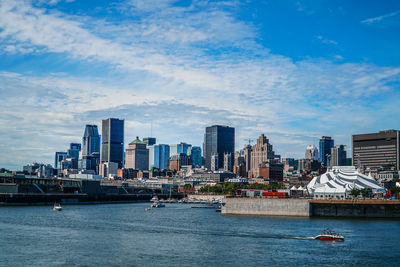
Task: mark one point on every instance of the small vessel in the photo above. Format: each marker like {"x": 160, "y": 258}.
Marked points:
{"x": 157, "y": 204}
{"x": 329, "y": 235}
{"x": 57, "y": 207}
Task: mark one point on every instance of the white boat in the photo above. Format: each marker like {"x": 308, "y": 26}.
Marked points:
{"x": 57, "y": 207}
{"x": 157, "y": 204}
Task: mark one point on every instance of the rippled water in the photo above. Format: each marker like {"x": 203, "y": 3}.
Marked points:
{"x": 127, "y": 235}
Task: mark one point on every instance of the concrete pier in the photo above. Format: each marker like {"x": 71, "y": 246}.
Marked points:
{"x": 266, "y": 207}
{"x": 312, "y": 208}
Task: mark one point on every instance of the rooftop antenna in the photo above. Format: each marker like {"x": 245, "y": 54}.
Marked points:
{"x": 249, "y": 141}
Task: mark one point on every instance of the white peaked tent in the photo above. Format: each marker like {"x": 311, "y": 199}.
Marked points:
{"x": 293, "y": 188}
{"x": 338, "y": 181}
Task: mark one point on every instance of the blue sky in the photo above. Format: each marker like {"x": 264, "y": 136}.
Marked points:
{"x": 294, "y": 70}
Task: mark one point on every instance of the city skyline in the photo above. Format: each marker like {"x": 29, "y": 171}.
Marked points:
{"x": 172, "y": 68}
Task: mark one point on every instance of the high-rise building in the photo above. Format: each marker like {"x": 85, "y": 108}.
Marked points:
{"x": 90, "y": 140}
{"x": 90, "y": 154}
{"x": 161, "y": 156}
{"x": 246, "y": 153}
{"x": 218, "y": 140}
{"x": 312, "y": 152}
{"x": 325, "y": 145}
{"x": 112, "y": 141}
{"x": 228, "y": 167}
{"x": 214, "y": 162}
{"x": 149, "y": 141}
{"x": 137, "y": 155}
{"x": 177, "y": 161}
{"x": 176, "y": 149}
{"x": 376, "y": 150}
{"x": 60, "y": 156}
{"x": 261, "y": 153}
{"x": 194, "y": 154}
{"x": 73, "y": 151}
{"x": 338, "y": 155}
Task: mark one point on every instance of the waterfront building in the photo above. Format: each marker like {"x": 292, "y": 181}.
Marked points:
{"x": 194, "y": 154}
{"x": 228, "y": 162}
{"x": 261, "y": 153}
{"x": 312, "y": 152}
{"x": 137, "y": 155}
{"x": 338, "y": 182}
{"x": 338, "y": 155}
{"x": 325, "y": 145}
{"x": 376, "y": 150}
{"x": 112, "y": 141}
{"x": 177, "y": 161}
{"x": 218, "y": 140}
{"x": 176, "y": 149}
{"x": 149, "y": 141}
{"x": 161, "y": 156}
{"x": 73, "y": 151}
{"x": 60, "y": 156}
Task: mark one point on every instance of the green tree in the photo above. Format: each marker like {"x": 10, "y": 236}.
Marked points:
{"x": 355, "y": 192}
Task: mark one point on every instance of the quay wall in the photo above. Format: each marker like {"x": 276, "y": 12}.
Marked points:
{"x": 356, "y": 208}
{"x": 266, "y": 207}
{"x": 206, "y": 198}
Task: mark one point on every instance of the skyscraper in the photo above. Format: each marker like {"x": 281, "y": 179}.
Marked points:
{"x": 194, "y": 153}
{"x": 338, "y": 156}
{"x": 312, "y": 152}
{"x": 325, "y": 145}
{"x": 112, "y": 141}
{"x": 218, "y": 140}
{"x": 60, "y": 156}
{"x": 137, "y": 155}
{"x": 73, "y": 151}
{"x": 261, "y": 153}
{"x": 161, "y": 156}
{"x": 90, "y": 140}
{"x": 90, "y": 149}
{"x": 176, "y": 149}
{"x": 149, "y": 141}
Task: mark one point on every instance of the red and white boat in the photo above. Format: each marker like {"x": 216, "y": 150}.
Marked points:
{"x": 329, "y": 235}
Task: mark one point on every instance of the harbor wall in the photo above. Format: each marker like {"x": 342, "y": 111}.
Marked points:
{"x": 205, "y": 198}
{"x": 266, "y": 207}
{"x": 355, "y": 208}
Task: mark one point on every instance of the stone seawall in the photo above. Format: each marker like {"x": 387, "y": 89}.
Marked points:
{"x": 266, "y": 207}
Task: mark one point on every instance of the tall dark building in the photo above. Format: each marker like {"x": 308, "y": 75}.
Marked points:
{"x": 217, "y": 141}
{"x": 112, "y": 141}
{"x": 377, "y": 150}
{"x": 149, "y": 141}
{"x": 90, "y": 149}
{"x": 325, "y": 145}
{"x": 338, "y": 156}
{"x": 73, "y": 151}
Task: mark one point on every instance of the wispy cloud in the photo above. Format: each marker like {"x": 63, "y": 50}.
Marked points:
{"x": 182, "y": 68}
{"x": 326, "y": 41}
{"x": 379, "y": 18}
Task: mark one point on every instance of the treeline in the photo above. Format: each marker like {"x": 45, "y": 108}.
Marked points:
{"x": 230, "y": 188}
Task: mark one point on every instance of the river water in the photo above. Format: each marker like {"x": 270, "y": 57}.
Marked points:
{"x": 178, "y": 235}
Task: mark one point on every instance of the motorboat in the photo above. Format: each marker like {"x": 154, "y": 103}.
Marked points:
{"x": 57, "y": 207}
{"x": 329, "y": 235}
{"x": 158, "y": 204}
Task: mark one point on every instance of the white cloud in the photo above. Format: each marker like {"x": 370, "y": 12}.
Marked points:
{"x": 164, "y": 74}
{"x": 379, "y": 18}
